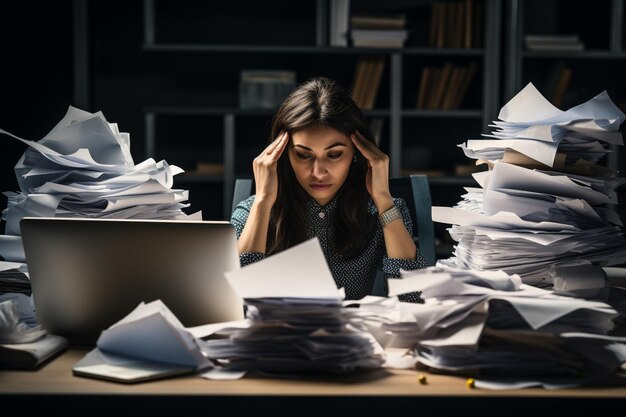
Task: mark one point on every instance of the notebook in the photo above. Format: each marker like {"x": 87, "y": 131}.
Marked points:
{"x": 87, "y": 274}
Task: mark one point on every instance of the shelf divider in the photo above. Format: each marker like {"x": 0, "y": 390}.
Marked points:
{"x": 229, "y": 162}
{"x": 395, "y": 100}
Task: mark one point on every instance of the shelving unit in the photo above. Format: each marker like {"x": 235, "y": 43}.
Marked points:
{"x": 407, "y": 131}
{"x": 599, "y": 66}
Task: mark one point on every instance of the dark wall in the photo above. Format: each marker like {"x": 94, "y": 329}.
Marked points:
{"x": 36, "y": 78}
{"x": 36, "y": 75}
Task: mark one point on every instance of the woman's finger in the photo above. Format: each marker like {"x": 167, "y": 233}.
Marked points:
{"x": 280, "y": 147}
{"x": 368, "y": 149}
{"x": 361, "y": 147}
{"x": 369, "y": 145}
{"x": 272, "y": 146}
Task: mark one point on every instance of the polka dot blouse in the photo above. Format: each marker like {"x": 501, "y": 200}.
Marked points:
{"x": 356, "y": 275}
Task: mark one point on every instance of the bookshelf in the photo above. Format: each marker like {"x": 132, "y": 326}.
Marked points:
{"x": 569, "y": 74}
{"x": 173, "y": 82}
{"x": 598, "y": 66}
{"x": 410, "y": 135}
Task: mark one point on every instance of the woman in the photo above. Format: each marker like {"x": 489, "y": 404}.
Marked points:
{"x": 322, "y": 175}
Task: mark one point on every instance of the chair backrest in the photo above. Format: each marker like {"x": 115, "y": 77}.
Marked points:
{"x": 243, "y": 190}
{"x": 415, "y": 190}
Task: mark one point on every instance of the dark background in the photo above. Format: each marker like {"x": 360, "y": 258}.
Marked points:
{"x": 37, "y": 70}
{"x": 39, "y": 78}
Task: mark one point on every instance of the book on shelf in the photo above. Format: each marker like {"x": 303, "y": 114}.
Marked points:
{"x": 557, "y": 82}
{"x": 379, "y": 38}
{"x": 468, "y": 75}
{"x": 387, "y": 21}
{"x": 452, "y": 88}
{"x": 468, "y": 24}
{"x": 424, "y": 88}
{"x": 366, "y": 81}
{"x": 379, "y": 30}
{"x": 476, "y": 27}
{"x": 444, "y": 88}
{"x": 456, "y": 24}
{"x": 433, "y": 34}
{"x": 271, "y": 76}
{"x": 553, "y": 43}
{"x": 439, "y": 87}
{"x": 264, "y": 89}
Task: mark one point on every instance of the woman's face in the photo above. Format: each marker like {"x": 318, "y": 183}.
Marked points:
{"x": 321, "y": 157}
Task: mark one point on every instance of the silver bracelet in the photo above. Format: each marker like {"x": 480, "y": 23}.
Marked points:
{"x": 390, "y": 215}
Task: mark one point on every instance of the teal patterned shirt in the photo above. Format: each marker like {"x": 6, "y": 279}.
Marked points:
{"x": 355, "y": 275}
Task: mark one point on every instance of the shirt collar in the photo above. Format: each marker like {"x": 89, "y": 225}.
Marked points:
{"x": 314, "y": 209}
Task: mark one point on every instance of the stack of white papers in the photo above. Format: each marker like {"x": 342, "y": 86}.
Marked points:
{"x": 535, "y": 209}
{"x": 13, "y": 327}
{"x": 390, "y": 321}
{"x": 296, "y": 320}
{"x": 544, "y": 215}
{"x": 84, "y": 168}
{"x": 149, "y": 343}
{"x": 507, "y": 333}
{"x": 532, "y": 126}
{"x": 23, "y": 343}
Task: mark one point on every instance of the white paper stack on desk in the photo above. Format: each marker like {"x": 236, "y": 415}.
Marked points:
{"x": 296, "y": 320}
{"x": 544, "y": 200}
{"x": 149, "y": 343}
{"x": 23, "y": 343}
{"x": 84, "y": 168}
{"x": 506, "y": 334}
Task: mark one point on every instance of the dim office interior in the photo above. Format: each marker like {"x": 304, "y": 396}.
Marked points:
{"x": 170, "y": 76}
{"x": 184, "y": 80}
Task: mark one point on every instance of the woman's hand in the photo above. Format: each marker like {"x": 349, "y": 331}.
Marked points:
{"x": 377, "y": 180}
{"x": 265, "y": 172}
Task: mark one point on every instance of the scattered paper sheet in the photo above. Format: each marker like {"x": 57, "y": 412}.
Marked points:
{"x": 300, "y": 271}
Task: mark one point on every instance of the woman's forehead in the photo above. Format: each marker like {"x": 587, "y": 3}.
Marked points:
{"x": 319, "y": 137}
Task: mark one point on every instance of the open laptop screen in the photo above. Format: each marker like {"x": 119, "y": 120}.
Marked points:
{"x": 87, "y": 274}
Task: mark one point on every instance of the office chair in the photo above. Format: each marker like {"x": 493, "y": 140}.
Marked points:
{"x": 243, "y": 190}
{"x": 415, "y": 191}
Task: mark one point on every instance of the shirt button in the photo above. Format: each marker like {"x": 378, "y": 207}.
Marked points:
{"x": 321, "y": 214}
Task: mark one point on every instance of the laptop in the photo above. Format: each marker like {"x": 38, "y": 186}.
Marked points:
{"x": 87, "y": 274}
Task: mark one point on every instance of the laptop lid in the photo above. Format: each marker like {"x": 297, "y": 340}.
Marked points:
{"x": 87, "y": 274}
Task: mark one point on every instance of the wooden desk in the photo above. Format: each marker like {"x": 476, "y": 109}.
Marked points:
{"x": 53, "y": 387}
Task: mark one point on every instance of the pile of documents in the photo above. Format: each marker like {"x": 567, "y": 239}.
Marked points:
{"x": 23, "y": 343}
{"x": 84, "y": 168}
{"x": 149, "y": 343}
{"x": 296, "y": 320}
{"x": 507, "y": 334}
{"x": 544, "y": 200}
{"x": 543, "y": 216}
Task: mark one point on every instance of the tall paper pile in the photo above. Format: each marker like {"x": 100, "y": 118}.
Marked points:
{"x": 544, "y": 201}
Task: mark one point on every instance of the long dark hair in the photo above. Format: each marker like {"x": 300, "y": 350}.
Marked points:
{"x": 320, "y": 101}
